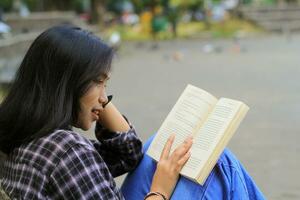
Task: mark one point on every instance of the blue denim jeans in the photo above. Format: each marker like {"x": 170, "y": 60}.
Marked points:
{"x": 227, "y": 180}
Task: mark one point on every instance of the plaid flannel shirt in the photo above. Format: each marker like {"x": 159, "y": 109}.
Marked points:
{"x": 65, "y": 165}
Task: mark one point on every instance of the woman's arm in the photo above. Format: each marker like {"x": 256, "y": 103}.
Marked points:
{"x": 112, "y": 119}
{"x": 119, "y": 145}
{"x": 120, "y": 151}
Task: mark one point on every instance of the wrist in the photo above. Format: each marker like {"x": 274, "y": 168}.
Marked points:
{"x": 161, "y": 186}
{"x": 160, "y": 190}
{"x": 155, "y": 195}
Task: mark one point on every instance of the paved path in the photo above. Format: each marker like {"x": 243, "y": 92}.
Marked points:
{"x": 265, "y": 74}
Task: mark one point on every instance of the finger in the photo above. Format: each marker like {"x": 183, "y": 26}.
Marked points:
{"x": 182, "y": 149}
{"x": 184, "y": 159}
{"x": 167, "y": 148}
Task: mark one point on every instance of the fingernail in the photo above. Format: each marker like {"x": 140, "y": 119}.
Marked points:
{"x": 190, "y": 137}
{"x": 172, "y": 136}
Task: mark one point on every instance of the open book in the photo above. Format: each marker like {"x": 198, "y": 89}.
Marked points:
{"x": 212, "y": 123}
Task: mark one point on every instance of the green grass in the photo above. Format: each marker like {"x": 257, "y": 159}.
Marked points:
{"x": 2, "y": 93}
{"x": 228, "y": 28}
{"x": 1, "y": 96}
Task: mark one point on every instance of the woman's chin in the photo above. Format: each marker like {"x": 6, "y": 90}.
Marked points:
{"x": 84, "y": 127}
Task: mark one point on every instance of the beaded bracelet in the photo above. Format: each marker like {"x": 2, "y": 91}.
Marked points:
{"x": 156, "y": 194}
{"x": 109, "y": 98}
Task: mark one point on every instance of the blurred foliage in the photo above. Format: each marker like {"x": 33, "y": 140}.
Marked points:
{"x": 229, "y": 28}
{"x": 138, "y": 5}
{"x": 114, "y": 5}
{"x": 186, "y": 3}
{"x": 32, "y": 4}
{"x": 41, "y": 5}
{"x": 2, "y": 94}
{"x": 156, "y": 16}
{"x": 6, "y": 4}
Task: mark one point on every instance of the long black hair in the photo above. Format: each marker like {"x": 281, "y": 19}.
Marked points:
{"x": 56, "y": 71}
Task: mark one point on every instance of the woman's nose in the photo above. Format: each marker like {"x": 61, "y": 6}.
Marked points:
{"x": 103, "y": 98}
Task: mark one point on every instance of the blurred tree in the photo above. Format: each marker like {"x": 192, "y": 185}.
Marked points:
{"x": 6, "y": 5}
{"x": 116, "y": 6}
{"x": 48, "y": 5}
{"x": 173, "y": 17}
{"x": 98, "y": 8}
{"x": 57, "y": 4}
{"x": 41, "y": 5}
{"x": 138, "y": 5}
{"x": 45, "y": 5}
{"x": 194, "y": 6}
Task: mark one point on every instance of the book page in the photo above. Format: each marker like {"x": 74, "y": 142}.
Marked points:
{"x": 189, "y": 112}
{"x": 234, "y": 124}
{"x": 210, "y": 133}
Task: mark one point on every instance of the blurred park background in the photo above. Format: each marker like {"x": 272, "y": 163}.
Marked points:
{"x": 241, "y": 49}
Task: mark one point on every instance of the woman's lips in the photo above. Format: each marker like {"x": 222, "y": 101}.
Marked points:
{"x": 96, "y": 113}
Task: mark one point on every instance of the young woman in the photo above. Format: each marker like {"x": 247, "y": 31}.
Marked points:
{"x": 61, "y": 83}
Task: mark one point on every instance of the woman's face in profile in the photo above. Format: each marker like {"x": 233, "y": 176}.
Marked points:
{"x": 91, "y": 103}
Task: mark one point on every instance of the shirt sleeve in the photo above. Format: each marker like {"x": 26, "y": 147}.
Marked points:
{"x": 82, "y": 174}
{"x": 121, "y": 151}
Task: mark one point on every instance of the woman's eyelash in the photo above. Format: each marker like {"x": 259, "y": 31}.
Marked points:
{"x": 98, "y": 81}
{"x": 101, "y": 82}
